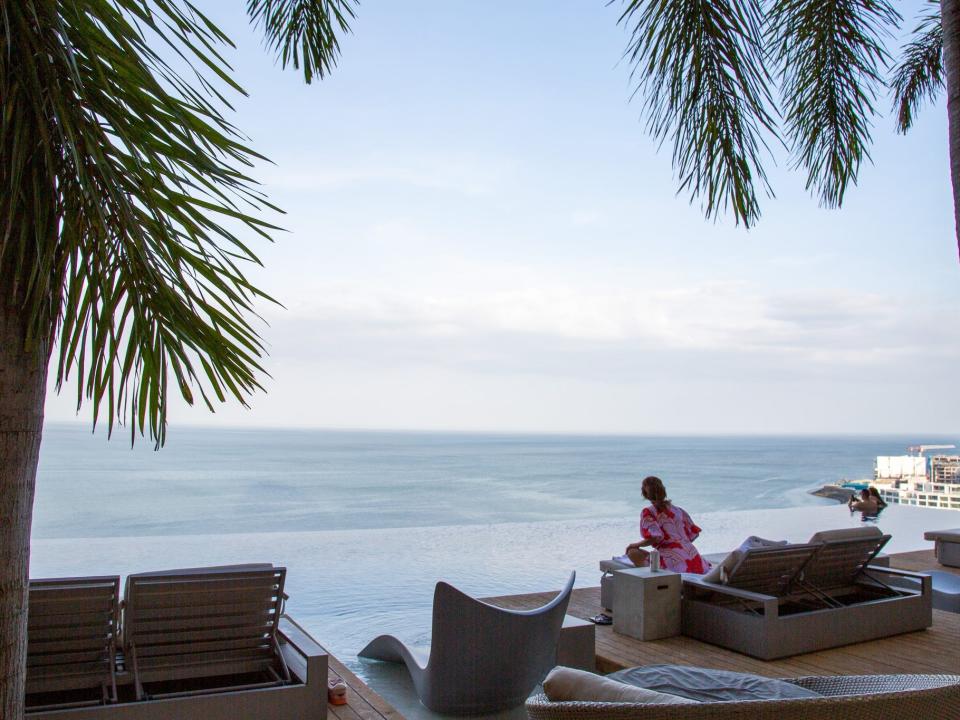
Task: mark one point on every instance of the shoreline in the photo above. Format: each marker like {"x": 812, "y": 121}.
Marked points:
{"x": 834, "y": 492}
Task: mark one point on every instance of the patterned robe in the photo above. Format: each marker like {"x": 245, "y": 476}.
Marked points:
{"x": 673, "y": 532}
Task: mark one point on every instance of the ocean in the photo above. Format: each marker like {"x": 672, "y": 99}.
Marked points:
{"x": 367, "y": 522}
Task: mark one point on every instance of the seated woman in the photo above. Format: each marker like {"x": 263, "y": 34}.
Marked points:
{"x": 668, "y": 529}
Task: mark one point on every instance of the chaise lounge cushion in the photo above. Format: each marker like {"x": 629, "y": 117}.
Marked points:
{"x": 858, "y": 533}
{"x": 720, "y": 571}
{"x": 708, "y": 685}
{"x": 563, "y": 684}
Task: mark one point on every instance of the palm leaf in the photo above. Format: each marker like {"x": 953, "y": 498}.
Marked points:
{"x": 123, "y": 195}
{"x": 829, "y": 53}
{"x": 919, "y": 76}
{"x": 699, "y": 66}
{"x": 304, "y": 32}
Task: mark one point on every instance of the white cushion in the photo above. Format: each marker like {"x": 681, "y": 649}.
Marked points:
{"x": 565, "y": 683}
{"x": 720, "y": 572}
{"x": 859, "y": 533}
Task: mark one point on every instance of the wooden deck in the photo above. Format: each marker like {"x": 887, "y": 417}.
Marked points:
{"x": 935, "y": 650}
{"x": 362, "y": 702}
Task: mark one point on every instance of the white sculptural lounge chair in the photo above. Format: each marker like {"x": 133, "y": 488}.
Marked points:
{"x": 71, "y": 637}
{"x": 482, "y": 658}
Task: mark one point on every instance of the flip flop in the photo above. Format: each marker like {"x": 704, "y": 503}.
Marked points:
{"x": 602, "y": 619}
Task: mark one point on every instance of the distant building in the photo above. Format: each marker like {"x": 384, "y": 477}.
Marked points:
{"x": 917, "y": 480}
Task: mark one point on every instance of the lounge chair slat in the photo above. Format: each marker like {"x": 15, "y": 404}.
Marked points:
{"x": 205, "y": 621}
{"x": 54, "y": 594}
{"x": 177, "y": 586}
{"x": 48, "y": 645}
{"x": 205, "y": 658}
{"x": 78, "y": 670}
{"x": 202, "y": 610}
{"x": 206, "y": 575}
{"x": 66, "y": 658}
{"x": 78, "y": 619}
{"x": 176, "y": 635}
{"x": 90, "y": 634}
{"x": 210, "y": 646}
{"x": 151, "y": 601}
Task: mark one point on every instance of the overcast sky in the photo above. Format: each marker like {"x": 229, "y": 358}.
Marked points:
{"x": 482, "y": 237}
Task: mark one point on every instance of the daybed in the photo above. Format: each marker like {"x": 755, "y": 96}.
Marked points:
{"x": 791, "y": 599}
{"x": 846, "y": 697}
{"x": 946, "y": 546}
{"x": 207, "y": 643}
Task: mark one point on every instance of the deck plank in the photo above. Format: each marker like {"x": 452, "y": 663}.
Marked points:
{"x": 928, "y": 651}
{"x": 363, "y": 703}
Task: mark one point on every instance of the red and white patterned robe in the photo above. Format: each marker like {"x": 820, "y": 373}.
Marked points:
{"x": 673, "y": 532}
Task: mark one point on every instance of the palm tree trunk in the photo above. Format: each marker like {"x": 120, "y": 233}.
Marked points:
{"x": 23, "y": 379}
{"x": 950, "y": 17}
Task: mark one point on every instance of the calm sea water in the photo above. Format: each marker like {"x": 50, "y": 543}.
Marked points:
{"x": 367, "y": 522}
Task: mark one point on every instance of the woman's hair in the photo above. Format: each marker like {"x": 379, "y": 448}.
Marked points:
{"x": 654, "y": 491}
{"x": 875, "y": 494}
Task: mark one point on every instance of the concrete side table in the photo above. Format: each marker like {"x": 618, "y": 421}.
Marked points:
{"x": 646, "y": 605}
{"x": 577, "y": 647}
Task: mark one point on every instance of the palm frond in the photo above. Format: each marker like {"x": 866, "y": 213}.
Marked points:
{"x": 140, "y": 278}
{"x": 304, "y": 32}
{"x": 829, "y": 54}
{"x": 919, "y": 76}
{"x": 699, "y": 66}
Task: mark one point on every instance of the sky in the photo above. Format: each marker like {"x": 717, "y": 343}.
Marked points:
{"x": 480, "y": 235}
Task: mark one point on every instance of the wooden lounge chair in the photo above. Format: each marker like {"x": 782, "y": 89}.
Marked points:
{"x": 482, "y": 658}
{"x": 184, "y": 625}
{"x": 71, "y": 638}
{"x": 773, "y": 606}
{"x": 845, "y": 697}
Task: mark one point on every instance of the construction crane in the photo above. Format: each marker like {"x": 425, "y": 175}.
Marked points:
{"x": 921, "y": 449}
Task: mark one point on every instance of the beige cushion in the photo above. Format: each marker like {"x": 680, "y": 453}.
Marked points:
{"x": 720, "y": 572}
{"x": 565, "y": 683}
{"x": 859, "y": 533}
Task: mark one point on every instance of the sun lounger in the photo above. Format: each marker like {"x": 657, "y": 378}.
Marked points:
{"x": 946, "y": 546}
{"x": 204, "y": 643}
{"x": 184, "y": 625}
{"x": 793, "y": 599}
{"x": 71, "y": 637}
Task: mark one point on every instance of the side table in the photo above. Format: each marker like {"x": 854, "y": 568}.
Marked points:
{"x": 646, "y": 605}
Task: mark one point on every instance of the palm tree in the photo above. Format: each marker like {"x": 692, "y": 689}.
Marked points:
{"x": 723, "y": 79}
{"x": 123, "y": 194}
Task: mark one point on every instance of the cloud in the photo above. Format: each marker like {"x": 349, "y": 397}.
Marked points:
{"x": 529, "y": 328}
{"x": 465, "y": 174}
